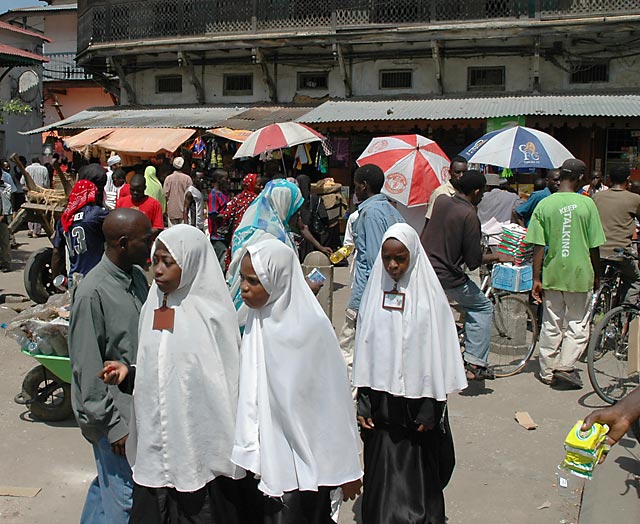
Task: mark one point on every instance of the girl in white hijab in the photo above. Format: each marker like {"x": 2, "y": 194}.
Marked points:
{"x": 295, "y": 428}
{"x": 186, "y": 386}
{"x": 407, "y": 360}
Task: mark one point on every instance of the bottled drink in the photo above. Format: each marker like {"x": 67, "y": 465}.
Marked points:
{"x": 61, "y": 282}
{"x": 339, "y": 255}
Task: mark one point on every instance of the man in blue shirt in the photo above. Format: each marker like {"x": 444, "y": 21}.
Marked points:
{"x": 522, "y": 214}
{"x": 83, "y": 233}
{"x": 375, "y": 215}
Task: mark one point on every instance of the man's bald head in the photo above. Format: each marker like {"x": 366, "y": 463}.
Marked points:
{"x": 128, "y": 237}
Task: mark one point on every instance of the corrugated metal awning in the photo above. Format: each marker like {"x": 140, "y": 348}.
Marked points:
{"x": 175, "y": 117}
{"x": 460, "y": 108}
{"x": 200, "y": 117}
{"x": 256, "y": 117}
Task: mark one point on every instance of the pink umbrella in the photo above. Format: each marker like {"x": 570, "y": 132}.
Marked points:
{"x": 413, "y": 167}
{"x": 277, "y": 136}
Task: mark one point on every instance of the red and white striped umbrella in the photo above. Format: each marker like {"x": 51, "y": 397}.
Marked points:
{"x": 277, "y": 136}
{"x": 413, "y": 167}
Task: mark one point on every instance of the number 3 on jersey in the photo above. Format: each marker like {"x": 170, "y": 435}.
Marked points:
{"x": 76, "y": 240}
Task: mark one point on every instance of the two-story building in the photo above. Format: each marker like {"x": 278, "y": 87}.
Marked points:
{"x": 21, "y": 62}
{"x": 66, "y": 87}
{"x": 443, "y": 68}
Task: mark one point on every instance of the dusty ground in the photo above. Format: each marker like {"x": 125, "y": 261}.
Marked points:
{"x": 504, "y": 473}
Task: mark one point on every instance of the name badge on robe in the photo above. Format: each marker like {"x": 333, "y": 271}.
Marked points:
{"x": 164, "y": 317}
{"x": 393, "y": 299}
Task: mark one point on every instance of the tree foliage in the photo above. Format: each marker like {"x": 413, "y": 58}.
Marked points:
{"x": 14, "y": 107}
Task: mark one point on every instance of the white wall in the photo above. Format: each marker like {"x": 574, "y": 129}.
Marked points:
{"x": 517, "y": 73}
{"x": 365, "y": 76}
{"x": 62, "y": 30}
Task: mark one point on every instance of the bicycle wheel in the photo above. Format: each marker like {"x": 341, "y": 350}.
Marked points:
{"x": 514, "y": 335}
{"x": 602, "y": 303}
{"x": 607, "y": 354}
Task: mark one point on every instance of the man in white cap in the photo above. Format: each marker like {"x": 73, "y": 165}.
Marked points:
{"x": 110, "y": 189}
{"x": 175, "y": 186}
{"x": 496, "y": 202}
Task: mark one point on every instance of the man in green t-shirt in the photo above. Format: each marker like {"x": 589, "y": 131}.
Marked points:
{"x": 569, "y": 224}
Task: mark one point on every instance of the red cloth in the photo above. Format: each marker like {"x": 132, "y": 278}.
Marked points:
{"x": 249, "y": 182}
{"x": 125, "y": 191}
{"x": 149, "y": 206}
{"x": 83, "y": 193}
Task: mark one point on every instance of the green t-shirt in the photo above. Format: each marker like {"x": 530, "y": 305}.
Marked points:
{"x": 569, "y": 224}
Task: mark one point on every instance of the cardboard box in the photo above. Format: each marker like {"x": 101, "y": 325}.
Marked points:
{"x": 512, "y": 278}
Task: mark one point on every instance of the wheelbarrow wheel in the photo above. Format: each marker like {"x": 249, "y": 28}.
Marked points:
{"x": 38, "y": 279}
{"x": 47, "y": 397}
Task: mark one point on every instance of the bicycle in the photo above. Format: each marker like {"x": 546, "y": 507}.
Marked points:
{"x": 608, "y": 350}
{"x": 515, "y": 330}
{"x": 609, "y": 293}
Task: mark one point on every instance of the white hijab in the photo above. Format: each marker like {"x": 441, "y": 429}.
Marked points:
{"x": 413, "y": 353}
{"x": 186, "y": 385}
{"x": 296, "y": 423}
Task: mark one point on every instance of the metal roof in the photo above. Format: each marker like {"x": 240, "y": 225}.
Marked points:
{"x": 20, "y": 30}
{"x": 256, "y": 117}
{"x": 456, "y": 108}
{"x": 177, "y": 117}
{"x": 10, "y": 56}
{"x": 41, "y": 8}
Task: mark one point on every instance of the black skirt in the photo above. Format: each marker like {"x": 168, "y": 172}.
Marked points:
{"x": 299, "y": 507}
{"x": 404, "y": 471}
{"x": 221, "y": 501}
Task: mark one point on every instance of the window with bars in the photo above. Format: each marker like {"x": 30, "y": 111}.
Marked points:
{"x": 313, "y": 80}
{"x": 238, "y": 84}
{"x": 169, "y": 84}
{"x": 486, "y": 78}
{"x": 396, "y": 79}
{"x": 589, "y": 72}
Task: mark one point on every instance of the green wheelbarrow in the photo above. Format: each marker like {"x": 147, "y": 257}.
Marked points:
{"x": 46, "y": 389}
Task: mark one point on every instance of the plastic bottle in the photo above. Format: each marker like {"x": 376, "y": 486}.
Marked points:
{"x": 22, "y": 340}
{"x": 337, "y": 256}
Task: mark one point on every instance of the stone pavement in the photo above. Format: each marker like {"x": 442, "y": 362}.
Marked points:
{"x": 504, "y": 473}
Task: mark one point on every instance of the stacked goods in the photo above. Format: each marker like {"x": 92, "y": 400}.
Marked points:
{"x": 512, "y": 277}
{"x": 512, "y": 243}
{"x": 584, "y": 449}
{"x": 331, "y": 194}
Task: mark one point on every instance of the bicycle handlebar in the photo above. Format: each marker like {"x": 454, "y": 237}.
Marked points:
{"x": 625, "y": 253}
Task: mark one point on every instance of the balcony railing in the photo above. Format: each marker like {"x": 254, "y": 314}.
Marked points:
{"x": 62, "y": 66}
{"x": 117, "y": 20}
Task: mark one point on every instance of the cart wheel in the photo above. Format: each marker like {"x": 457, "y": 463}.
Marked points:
{"x": 48, "y": 398}
{"x": 38, "y": 280}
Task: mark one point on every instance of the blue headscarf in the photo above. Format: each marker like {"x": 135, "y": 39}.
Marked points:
{"x": 267, "y": 217}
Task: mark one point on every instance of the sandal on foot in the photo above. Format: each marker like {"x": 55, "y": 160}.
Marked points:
{"x": 474, "y": 372}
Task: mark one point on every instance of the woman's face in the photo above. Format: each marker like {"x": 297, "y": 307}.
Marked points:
{"x": 395, "y": 258}
{"x": 166, "y": 271}
{"x": 253, "y": 293}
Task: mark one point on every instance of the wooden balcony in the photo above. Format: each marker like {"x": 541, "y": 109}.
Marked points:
{"x": 103, "y": 21}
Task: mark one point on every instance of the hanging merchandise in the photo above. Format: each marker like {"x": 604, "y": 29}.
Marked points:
{"x": 219, "y": 162}
{"x": 327, "y": 147}
{"x": 198, "y": 148}
{"x": 323, "y": 166}
{"x": 506, "y": 173}
{"x": 301, "y": 157}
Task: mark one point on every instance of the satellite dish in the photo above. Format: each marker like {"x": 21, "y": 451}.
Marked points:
{"x": 28, "y": 83}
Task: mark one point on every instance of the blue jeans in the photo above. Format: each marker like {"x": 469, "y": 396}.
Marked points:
{"x": 478, "y": 321}
{"x": 109, "y": 497}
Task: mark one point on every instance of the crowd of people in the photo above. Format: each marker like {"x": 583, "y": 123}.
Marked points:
{"x": 222, "y": 393}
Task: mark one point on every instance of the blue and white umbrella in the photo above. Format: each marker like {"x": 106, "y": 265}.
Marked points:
{"x": 517, "y": 148}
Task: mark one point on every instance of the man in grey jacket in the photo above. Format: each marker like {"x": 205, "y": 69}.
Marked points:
{"x": 104, "y": 326}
